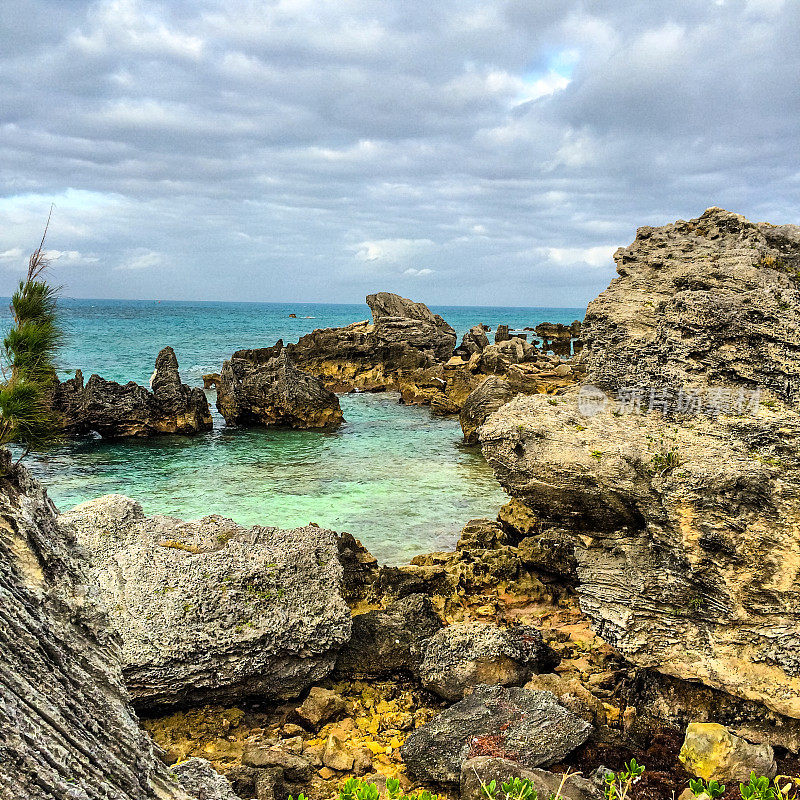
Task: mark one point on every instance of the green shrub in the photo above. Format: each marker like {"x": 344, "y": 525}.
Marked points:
{"x": 26, "y": 415}
{"x": 712, "y": 788}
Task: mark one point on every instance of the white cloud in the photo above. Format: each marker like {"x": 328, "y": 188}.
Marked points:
{"x": 418, "y": 273}
{"x": 599, "y": 256}
{"x": 392, "y": 250}
{"x": 142, "y": 259}
{"x": 14, "y": 254}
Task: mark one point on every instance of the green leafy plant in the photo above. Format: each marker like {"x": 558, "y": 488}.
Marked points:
{"x": 28, "y": 352}
{"x": 618, "y": 784}
{"x": 512, "y": 789}
{"x": 758, "y": 788}
{"x": 520, "y": 789}
{"x": 357, "y": 789}
{"x": 713, "y": 789}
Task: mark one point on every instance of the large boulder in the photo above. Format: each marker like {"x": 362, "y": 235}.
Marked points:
{"x": 209, "y": 609}
{"x": 462, "y": 656}
{"x": 264, "y": 388}
{"x": 404, "y": 339}
{"x": 66, "y": 730}
{"x": 684, "y": 517}
{"x": 706, "y": 303}
{"x": 527, "y": 727}
{"x": 117, "y": 411}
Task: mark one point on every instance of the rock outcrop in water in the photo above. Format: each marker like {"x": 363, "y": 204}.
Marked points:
{"x": 66, "y": 730}
{"x": 403, "y": 338}
{"x": 685, "y": 518}
{"x": 264, "y": 388}
{"x": 117, "y": 411}
{"x": 209, "y": 609}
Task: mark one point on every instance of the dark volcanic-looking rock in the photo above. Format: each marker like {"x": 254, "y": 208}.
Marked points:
{"x": 403, "y": 338}
{"x": 211, "y": 610}
{"x": 462, "y": 656}
{"x": 123, "y": 411}
{"x": 390, "y": 640}
{"x": 66, "y": 731}
{"x": 264, "y": 388}
{"x": 684, "y": 526}
{"x": 528, "y": 727}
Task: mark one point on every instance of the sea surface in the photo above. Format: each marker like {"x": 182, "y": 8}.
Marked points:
{"x": 395, "y": 476}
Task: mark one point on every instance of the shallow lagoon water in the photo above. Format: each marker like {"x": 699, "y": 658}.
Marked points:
{"x": 397, "y": 477}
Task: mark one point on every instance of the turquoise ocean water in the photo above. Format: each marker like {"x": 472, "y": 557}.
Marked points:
{"x": 395, "y": 476}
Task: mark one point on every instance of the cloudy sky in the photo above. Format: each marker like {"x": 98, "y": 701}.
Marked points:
{"x": 458, "y": 151}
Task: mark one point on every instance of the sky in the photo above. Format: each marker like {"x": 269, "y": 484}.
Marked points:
{"x": 464, "y": 152}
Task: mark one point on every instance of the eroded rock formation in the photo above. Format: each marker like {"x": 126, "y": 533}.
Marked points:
{"x": 265, "y": 388}
{"x": 66, "y": 730}
{"x": 117, "y": 411}
{"x": 402, "y": 338}
{"x": 209, "y": 609}
{"x": 685, "y": 523}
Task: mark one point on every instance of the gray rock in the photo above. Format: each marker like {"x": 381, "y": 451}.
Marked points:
{"x": 201, "y": 781}
{"x": 388, "y": 641}
{"x": 66, "y": 730}
{"x": 528, "y": 727}
{"x": 462, "y": 656}
{"x": 481, "y": 771}
{"x": 264, "y": 388}
{"x": 209, "y": 609}
{"x": 482, "y": 402}
{"x": 683, "y": 525}
{"x": 117, "y": 411}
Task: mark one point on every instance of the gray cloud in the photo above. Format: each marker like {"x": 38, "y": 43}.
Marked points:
{"x": 460, "y": 152}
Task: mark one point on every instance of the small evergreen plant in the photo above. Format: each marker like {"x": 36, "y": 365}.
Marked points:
{"x": 28, "y": 352}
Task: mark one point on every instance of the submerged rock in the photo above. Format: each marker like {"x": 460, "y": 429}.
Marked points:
{"x": 66, "y": 730}
{"x": 530, "y": 728}
{"x": 264, "y": 388}
{"x": 117, "y": 411}
{"x": 209, "y": 609}
{"x": 684, "y": 524}
{"x": 463, "y": 656}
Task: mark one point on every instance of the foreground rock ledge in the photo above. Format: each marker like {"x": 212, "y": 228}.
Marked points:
{"x": 66, "y": 730}
{"x": 685, "y": 527}
{"x": 209, "y": 609}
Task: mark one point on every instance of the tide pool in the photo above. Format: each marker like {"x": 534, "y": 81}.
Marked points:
{"x": 396, "y": 477}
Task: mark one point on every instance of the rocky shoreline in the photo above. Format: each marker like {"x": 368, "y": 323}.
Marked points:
{"x": 636, "y": 597}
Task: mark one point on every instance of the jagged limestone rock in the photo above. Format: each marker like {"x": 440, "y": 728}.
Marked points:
{"x": 212, "y": 610}
{"x": 685, "y": 526}
{"x": 117, "y": 411}
{"x": 264, "y": 388}
{"x": 403, "y": 339}
{"x": 66, "y": 729}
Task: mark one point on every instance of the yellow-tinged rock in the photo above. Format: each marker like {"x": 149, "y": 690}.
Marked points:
{"x": 374, "y": 747}
{"x": 710, "y": 751}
